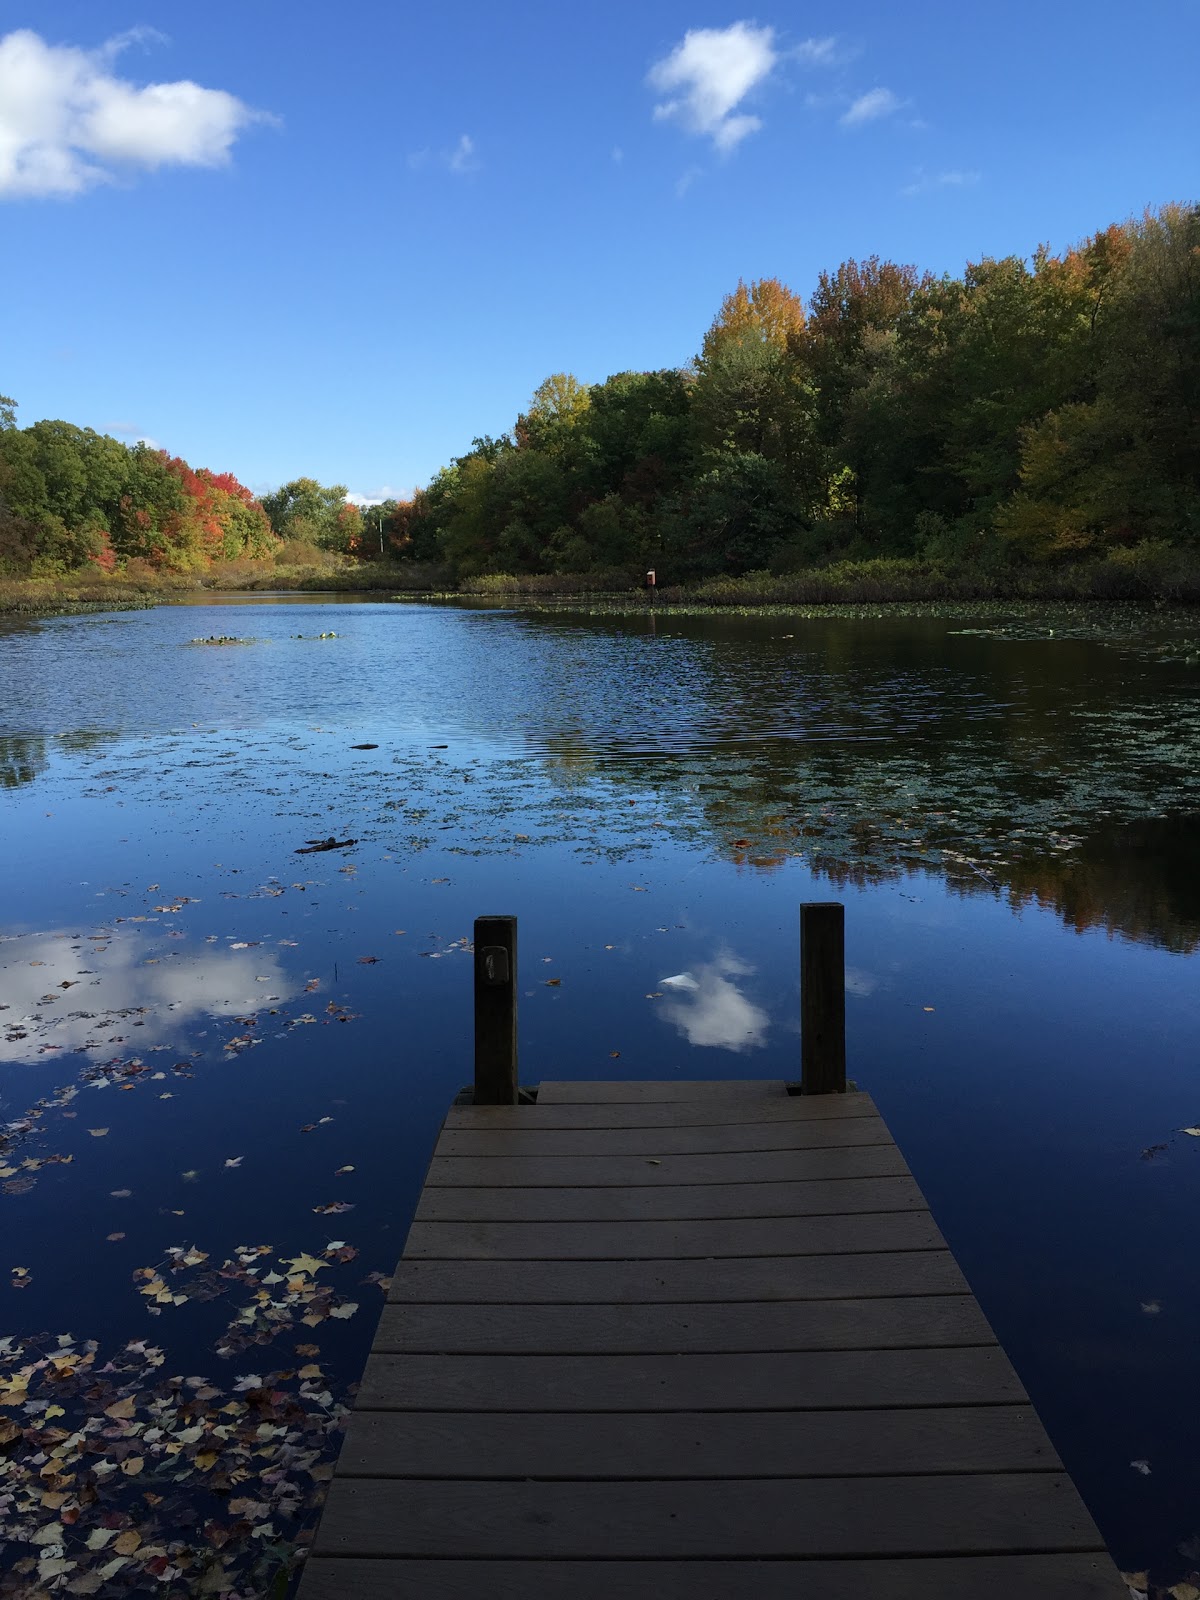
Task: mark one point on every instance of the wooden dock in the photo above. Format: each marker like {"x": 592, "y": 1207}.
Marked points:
{"x": 690, "y": 1341}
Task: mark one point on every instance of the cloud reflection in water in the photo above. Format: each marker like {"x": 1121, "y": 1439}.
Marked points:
{"x": 709, "y": 1009}
{"x": 111, "y": 989}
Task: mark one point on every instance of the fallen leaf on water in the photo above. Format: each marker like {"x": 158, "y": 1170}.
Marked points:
{"x": 553, "y": 983}
{"x": 97, "y": 1133}
{"x": 304, "y": 1263}
{"x": 1141, "y": 1466}
{"x": 334, "y": 1208}
{"x": 1195, "y": 1132}
{"x": 614, "y": 1054}
{"x": 1151, "y": 1307}
{"x": 338, "y": 1172}
{"x": 133, "y": 1465}
{"x": 234, "y": 1161}
{"x": 113, "y": 1237}
{"x": 927, "y": 1008}
{"x": 123, "y": 1194}
{"x": 367, "y": 961}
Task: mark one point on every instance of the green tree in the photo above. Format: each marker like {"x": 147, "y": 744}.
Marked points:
{"x": 310, "y": 512}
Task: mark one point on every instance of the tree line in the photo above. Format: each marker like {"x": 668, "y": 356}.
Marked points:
{"x": 73, "y": 499}
{"x": 1041, "y": 410}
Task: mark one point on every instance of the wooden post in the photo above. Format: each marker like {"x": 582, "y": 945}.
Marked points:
{"x": 495, "y": 1011}
{"x": 822, "y": 998}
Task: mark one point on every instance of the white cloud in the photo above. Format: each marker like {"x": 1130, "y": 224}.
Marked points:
{"x": 462, "y": 157}
{"x": 709, "y": 74}
{"x": 378, "y": 496}
{"x": 459, "y": 158}
{"x": 870, "y": 107}
{"x": 66, "y": 121}
{"x": 686, "y": 179}
{"x": 131, "y": 431}
{"x": 925, "y": 181}
{"x": 816, "y": 52}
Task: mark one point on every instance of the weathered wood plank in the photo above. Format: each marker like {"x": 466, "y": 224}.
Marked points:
{"x": 839, "y": 1197}
{"x": 634, "y": 1091}
{"x": 637, "y": 1172}
{"x": 875, "y": 1324}
{"x": 679, "y": 1114}
{"x": 704, "y": 1518}
{"x": 1055, "y": 1577}
{"x": 626, "y": 1241}
{"x": 760, "y": 1444}
{"x": 812, "y": 1381}
{"x": 806, "y": 1134}
{"x": 538, "y": 1283}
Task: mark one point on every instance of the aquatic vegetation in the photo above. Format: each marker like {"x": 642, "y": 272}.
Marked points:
{"x": 227, "y": 638}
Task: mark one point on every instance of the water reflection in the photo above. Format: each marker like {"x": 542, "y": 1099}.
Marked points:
{"x": 708, "y": 1008}
{"x": 66, "y": 994}
{"x": 25, "y": 757}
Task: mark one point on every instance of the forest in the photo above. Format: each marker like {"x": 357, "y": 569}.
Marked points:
{"x": 1032, "y": 413}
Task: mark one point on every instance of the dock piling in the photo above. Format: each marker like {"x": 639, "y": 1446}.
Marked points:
{"x": 822, "y": 998}
{"x": 495, "y": 1011}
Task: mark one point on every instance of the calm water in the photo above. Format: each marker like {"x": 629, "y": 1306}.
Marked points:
{"x": 223, "y": 1064}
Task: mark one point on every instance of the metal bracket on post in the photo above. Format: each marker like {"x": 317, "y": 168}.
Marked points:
{"x": 496, "y": 1011}
{"x": 822, "y": 998}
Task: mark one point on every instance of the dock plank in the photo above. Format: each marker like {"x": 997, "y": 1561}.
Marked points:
{"x": 701, "y": 1444}
{"x": 873, "y": 1324}
{"x": 539, "y": 1283}
{"x": 642, "y": 1172}
{"x": 673, "y": 1241}
{"x": 713, "y": 1519}
{"x": 1052, "y": 1577}
{"x": 802, "y": 1133}
{"x": 710, "y": 1112}
{"x": 811, "y": 1380}
{"x": 831, "y": 1197}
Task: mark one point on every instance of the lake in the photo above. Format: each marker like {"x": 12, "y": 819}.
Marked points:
{"x": 224, "y": 1062}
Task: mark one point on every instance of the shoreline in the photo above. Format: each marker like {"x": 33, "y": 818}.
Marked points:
{"x": 859, "y": 589}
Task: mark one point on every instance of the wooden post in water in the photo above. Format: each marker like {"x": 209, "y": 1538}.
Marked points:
{"x": 822, "y": 998}
{"x": 495, "y": 1011}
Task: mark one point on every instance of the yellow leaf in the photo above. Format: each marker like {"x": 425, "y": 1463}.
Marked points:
{"x": 133, "y": 1466}
{"x": 304, "y": 1263}
{"x": 127, "y": 1543}
{"x": 207, "y": 1459}
{"x": 120, "y": 1409}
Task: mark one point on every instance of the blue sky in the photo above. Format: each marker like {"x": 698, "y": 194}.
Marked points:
{"x": 383, "y": 224}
